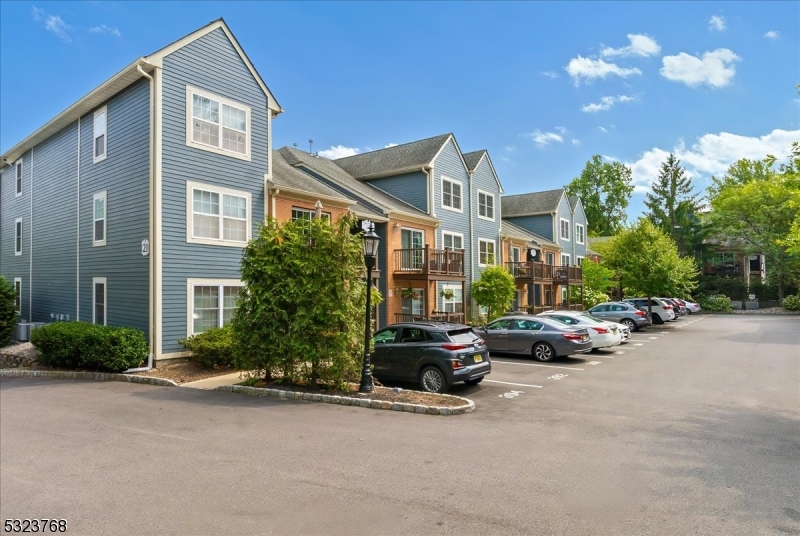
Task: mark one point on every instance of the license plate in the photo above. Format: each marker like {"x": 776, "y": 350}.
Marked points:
{"x": 477, "y": 358}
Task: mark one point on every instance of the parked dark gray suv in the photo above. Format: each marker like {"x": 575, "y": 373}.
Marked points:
{"x": 434, "y": 354}
{"x": 623, "y": 313}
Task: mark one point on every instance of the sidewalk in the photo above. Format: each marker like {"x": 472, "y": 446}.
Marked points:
{"x": 211, "y": 383}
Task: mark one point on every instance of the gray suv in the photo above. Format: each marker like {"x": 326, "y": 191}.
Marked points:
{"x": 623, "y": 313}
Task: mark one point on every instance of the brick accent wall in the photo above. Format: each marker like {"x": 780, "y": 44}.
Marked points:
{"x": 284, "y": 205}
{"x": 393, "y": 298}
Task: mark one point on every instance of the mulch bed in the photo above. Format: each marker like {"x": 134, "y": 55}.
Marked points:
{"x": 188, "y": 371}
{"x": 385, "y": 394}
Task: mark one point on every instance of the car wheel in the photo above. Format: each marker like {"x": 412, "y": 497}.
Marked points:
{"x": 476, "y": 381}
{"x": 657, "y": 319}
{"x": 543, "y": 352}
{"x": 432, "y": 380}
{"x": 630, "y": 323}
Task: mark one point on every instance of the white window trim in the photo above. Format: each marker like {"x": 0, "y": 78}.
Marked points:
{"x": 19, "y": 296}
{"x": 313, "y": 212}
{"x": 579, "y": 260}
{"x": 18, "y": 169}
{"x": 450, "y": 233}
{"x": 546, "y": 257}
{"x": 560, "y": 236}
{"x": 455, "y": 288}
{"x": 198, "y": 282}
{"x": 519, "y": 254}
{"x": 442, "y": 179}
{"x": 561, "y": 259}
{"x": 478, "y": 205}
{"x": 494, "y": 248}
{"x": 18, "y": 252}
{"x": 190, "y": 239}
{"x": 582, "y": 233}
{"x": 104, "y": 196}
{"x": 95, "y": 281}
{"x": 190, "y": 90}
{"x": 96, "y": 159}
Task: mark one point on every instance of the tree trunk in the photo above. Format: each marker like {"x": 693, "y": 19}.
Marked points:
{"x": 650, "y": 308}
{"x": 780, "y": 289}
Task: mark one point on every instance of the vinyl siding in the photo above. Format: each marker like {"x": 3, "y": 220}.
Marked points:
{"x": 210, "y": 63}
{"x": 410, "y": 187}
{"x": 565, "y": 212}
{"x": 125, "y": 176}
{"x": 11, "y": 208}
{"x": 483, "y": 179}
{"x": 541, "y": 225}
{"x": 579, "y": 217}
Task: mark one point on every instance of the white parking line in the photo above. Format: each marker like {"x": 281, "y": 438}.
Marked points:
{"x": 533, "y": 365}
{"x": 619, "y": 352}
{"x": 652, "y": 338}
{"x": 638, "y": 344}
{"x": 519, "y": 384}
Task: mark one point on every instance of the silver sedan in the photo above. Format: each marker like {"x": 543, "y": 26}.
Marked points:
{"x": 543, "y": 338}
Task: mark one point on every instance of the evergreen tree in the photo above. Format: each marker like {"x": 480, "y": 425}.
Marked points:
{"x": 672, "y": 206}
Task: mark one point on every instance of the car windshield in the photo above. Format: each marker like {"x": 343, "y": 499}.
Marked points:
{"x": 557, "y": 320}
{"x": 463, "y": 335}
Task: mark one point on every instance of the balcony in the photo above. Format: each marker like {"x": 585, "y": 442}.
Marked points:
{"x": 428, "y": 264}
{"x": 724, "y": 269}
{"x": 436, "y": 316}
{"x": 539, "y": 272}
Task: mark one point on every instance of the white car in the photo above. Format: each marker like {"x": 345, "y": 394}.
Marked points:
{"x": 692, "y": 307}
{"x": 662, "y": 312}
{"x": 603, "y": 334}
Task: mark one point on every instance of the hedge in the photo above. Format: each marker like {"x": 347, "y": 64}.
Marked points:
{"x": 717, "y": 303}
{"x": 792, "y": 303}
{"x": 212, "y": 347}
{"x": 80, "y": 345}
{"x": 8, "y": 317}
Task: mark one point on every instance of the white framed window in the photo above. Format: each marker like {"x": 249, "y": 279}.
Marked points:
{"x": 579, "y": 261}
{"x": 564, "y": 259}
{"x": 564, "y": 294}
{"x": 217, "y": 124}
{"x": 18, "y": 236}
{"x": 210, "y": 303}
{"x": 485, "y": 205}
{"x": 454, "y": 304}
{"x": 100, "y": 136}
{"x": 452, "y": 194}
{"x": 452, "y": 240}
{"x": 99, "y": 301}
{"x": 18, "y": 168}
{"x": 307, "y": 214}
{"x": 564, "y": 234}
{"x": 217, "y": 216}
{"x": 99, "y": 209}
{"x": 515, "y": 254}
{"x": 580, "y": 233}
{"x": 551, "y": 258}
{"x": 18, "y": 295}
{"x": 486, "y": 252}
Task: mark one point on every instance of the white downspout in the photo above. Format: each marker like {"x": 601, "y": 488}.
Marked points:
{"x": 153, "y": 334}
{"x": 78, "y": 263}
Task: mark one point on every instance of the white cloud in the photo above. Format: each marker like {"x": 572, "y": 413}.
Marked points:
{"x": 639, "y": 189}
{"x": 106, "y": 29}
{"x": 510, "y": 148}
{"x": 772, "y": 34}
{"x": 716, "y": 23}
{"x": 715, "y": 68}
{"x": 641, "y": 45}
{"x": 602, "y": 129}
{"x": 545, "y": 138}
{"x": 562, "y": 130}
{"x": 53, "y": 23}
{"x": 339, "y": 151}
{"x": 389, "y": 145}
{"x": 586, "y": 68}
{"x": 713, "y": 154}
{"x": 606, "y": 103}
{"x": 504, "y": 158}
{"x": 576, "y": 141}
{"x": 550, "y": 74}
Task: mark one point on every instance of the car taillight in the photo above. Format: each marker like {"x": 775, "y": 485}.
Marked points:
{"x": 601, "y": 330}
{"x": 667, "y": 307}
{"x": 641, "y": 313}
{"x": 572, "y": 336}
{"x": 458, "y": 365}
{"x": 454, "y": 346}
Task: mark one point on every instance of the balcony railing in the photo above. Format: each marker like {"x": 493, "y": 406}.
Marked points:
{"x": 438, "y": 316}
{"x": 724, "y": 269}
{"x": 429, "y": 261}
{"x": 539, "y": 271}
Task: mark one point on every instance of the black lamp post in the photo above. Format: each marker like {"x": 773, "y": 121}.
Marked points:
{"x": 371, "y": 241}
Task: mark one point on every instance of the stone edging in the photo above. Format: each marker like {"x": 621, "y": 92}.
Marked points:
{"x": 102, "y": 376}
{"x": 467, "y": 407}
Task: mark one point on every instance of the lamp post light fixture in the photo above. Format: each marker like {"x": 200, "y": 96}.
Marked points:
{"x": 371, "y": 241}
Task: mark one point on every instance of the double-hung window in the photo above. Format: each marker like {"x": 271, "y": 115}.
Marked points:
{"x": 451, "y": 194}
{"x": 100, "y": 135}
{"x": 217, "y": 124}
{"x": 579, "y": 233}
{"x": 551, "y": 259}
{"x": 18, "y": 295}
{"x": 564, "y": 259}
{"x": 99, "y": 301}
{"x": 564, "y": 229}
{"x": 18, "y": 168}
{"x": 217, "y": 216}
{"x": 486, "y": 253}
{"x": 452, "y": 240}
{"x": 456, "y": 303}
{"x": 485, "y": 205}
{"x": 99, "y": 226}
{"x": 211, "y": 303}
{"x": 308, "y": 215}
{"x": 18, "y": 236}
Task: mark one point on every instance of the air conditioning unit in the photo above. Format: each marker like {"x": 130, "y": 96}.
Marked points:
{"x": 24, "y": 331}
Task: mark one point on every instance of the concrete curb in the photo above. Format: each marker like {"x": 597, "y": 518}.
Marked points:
{"x": 467, "y": 407}
{"x": 101, "y": 376}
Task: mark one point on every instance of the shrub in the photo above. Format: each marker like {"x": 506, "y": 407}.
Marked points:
{"x": 8, "y": 317}
{"x": 214, "y": 347}
{"x": 592, "y": 297}
{"x": 792, "y": 303}
{"x": 80, "y": 345}
{"x": 716, "y": 303}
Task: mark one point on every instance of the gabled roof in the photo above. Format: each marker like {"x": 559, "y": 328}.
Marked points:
{"x": 120, "y": 81}
{"x": 473, "y": 159}
{"x": 531, "y": 203}
{"x": 393, "y": 160}
{"x": 286, "y": 177}
{"x": 573, "y": 201}
{"x": 515, "y": 231}
{"x": 385, "y": 202}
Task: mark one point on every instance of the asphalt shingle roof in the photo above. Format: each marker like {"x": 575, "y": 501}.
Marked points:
{"x": 393, "y": 159}
{"x": 532, "y": 203}
{"x": 573, "y": 201}
{"x": 473, "y": 158}
{"x": 286, "y": 176}
{"x": 508, "y": 228}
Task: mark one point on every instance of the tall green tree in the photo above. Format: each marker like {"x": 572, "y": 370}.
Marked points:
{"x": 494, "y": 290}
{"x": 605, "y": 190}
{"x": 672, "y": 205}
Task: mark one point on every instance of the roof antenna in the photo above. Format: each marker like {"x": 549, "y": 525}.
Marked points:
{"x": 295, "y": 145}
{"x": 311, "y": 146}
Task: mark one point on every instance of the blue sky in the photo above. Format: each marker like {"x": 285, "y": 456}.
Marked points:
{"x": 543, "y": 86}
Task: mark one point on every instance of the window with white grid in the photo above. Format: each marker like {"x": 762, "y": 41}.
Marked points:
{"x": 485, "y": 205}
{"x": 217, "y": 124}
{"x": 217, "y": 216}
{"x": 451, "y": 194}
{"x": 211, "y": 304}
